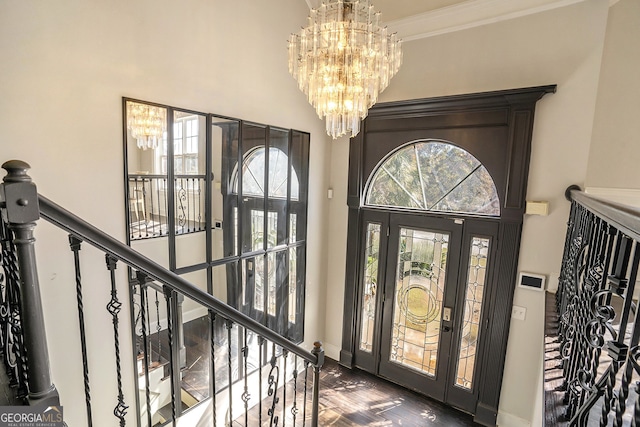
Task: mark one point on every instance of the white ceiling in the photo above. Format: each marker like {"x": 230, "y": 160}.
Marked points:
{"x": 416, "y": 19}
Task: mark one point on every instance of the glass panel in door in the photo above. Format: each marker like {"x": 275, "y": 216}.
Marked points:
{"x": 467, "y": 347}
{"x": 418, "y": 315}
{"x": 419, "y": 296}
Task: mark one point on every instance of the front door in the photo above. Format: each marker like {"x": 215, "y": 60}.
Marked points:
{"x": 423, "y": 286}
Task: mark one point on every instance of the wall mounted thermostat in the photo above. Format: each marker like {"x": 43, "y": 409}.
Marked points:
{"x": 535, "y": 282}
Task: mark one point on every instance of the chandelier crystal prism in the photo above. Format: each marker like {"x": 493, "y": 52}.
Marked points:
{"x": 147, "y": 124}
{"x": 342, "y": 60}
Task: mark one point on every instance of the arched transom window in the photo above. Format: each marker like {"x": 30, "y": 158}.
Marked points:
{"x": 433, "y": 176}
{"x": 253, "y": 174}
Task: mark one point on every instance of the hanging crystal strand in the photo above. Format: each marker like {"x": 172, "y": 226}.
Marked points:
{"x": 142, "y": 284}
{"x": 74, "y": 243}
{"x": 261, "y": 350}
{"x": 274, "y": 378}
{"x": 294, "y": 408}
{"x": 229, "y": 325}
{"x": 212, "y": 375}
{"x": 304, "y": 398}
{"x": 246, "y": 396}
{"x": 169, "y": 296}
{"x": 113, "y": 307}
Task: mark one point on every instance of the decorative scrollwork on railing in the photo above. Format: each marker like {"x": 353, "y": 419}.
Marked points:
{"x": 274, "y": 379}
{"x": 13, "y": 350}
{"x": 181, "y": 199}
{"x": 604, "y": 314}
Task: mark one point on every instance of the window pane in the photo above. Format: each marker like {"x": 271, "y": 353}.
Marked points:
{"x": 434, "y": 176}
{"x": 293, "y": 285}
{"x": 472, "y": 311}
{"x": 224, "y": 203}
{"x": 370, "y": 286}
{"x": 278, "y": 163}
{"x": 257, "y": 230}
{"x": 422, "y": 263}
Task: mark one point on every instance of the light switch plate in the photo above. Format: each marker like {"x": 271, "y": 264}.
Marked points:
{"x": 518, "y": 312}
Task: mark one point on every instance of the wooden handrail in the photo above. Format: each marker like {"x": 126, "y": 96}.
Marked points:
{"x": 624, "y": 217}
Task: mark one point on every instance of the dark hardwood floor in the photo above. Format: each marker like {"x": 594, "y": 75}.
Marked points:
{"x": 348, "y": 397}
{"x": 356, "y": 398}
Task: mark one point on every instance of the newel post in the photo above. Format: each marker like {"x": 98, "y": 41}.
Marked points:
{"x": 20, "y": 198}
{"x": 319, "y": 352}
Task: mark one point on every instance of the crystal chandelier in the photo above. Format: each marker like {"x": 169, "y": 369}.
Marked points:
{"x": 147, "y": 124}
{"x": 342, "y": 60}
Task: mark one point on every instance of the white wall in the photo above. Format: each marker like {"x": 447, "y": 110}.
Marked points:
{"x": 613, "y": 161}
{"x": 563, "y": 46}
{"x": 65, "y": 66}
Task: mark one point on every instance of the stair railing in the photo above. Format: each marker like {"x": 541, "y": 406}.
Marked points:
{"x": 598, "y": 328}
{"x": 24, "y": 342}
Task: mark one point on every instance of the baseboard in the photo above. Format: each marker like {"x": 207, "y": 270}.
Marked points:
{"x": 509, "y": 420}
{"x": 346, "y": 359}
{"x": 331, "y": 351}
{"x": 485, "y": 415}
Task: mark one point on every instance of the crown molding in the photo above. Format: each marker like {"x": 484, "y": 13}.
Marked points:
{"x": 469, "y": 14}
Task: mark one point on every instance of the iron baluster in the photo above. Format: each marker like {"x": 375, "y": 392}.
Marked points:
{"x": 13, "y": 349}
{"x": 199, "y": 205}
{"x": 274, "y": 378}
{"x": 294, "y": 408}
{"x": 229, "y": 325}
{"x": 113, "y": 307}
{"x": 246, "y": 396}
{"x": 212, "y": 375}
{"x": 261, "y": 350}
{"x": 304, "y": 397}
{"x": 75, "y": 243}
{"x": 166, "y": 204}
{"x": 619, "y": 277}
{"x": 142, "y": 283}
{"x": 285, "y": 353}
{"x": 181, "y": 197}
{"x": 318, "y": 351}
{"x": 169, "y": 296}
{"x": 158, "y": 328}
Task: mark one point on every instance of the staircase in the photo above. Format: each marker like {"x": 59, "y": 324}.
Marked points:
{"x": 245, "y": 374}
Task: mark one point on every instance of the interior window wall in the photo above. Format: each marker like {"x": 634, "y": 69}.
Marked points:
{"x": 239, "y": 198}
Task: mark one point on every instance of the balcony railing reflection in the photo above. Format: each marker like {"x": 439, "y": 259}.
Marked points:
{"x": 148, "y": 201}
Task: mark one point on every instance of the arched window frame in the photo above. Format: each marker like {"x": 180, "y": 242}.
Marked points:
{"x": 491, "y": 208}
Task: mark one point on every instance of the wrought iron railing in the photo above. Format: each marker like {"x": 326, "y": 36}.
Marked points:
{"x": 251, "y": 374}
{"x": 598, "y": 329}
{"x": 148, "y": 201}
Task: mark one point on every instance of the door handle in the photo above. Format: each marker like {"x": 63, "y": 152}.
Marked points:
{"x": 446, "y": 329}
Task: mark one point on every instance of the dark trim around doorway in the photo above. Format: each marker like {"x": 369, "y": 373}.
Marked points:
{"x": 509, "y": 113}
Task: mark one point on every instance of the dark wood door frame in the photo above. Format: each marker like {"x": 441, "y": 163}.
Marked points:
{"x": 508, "y": 112}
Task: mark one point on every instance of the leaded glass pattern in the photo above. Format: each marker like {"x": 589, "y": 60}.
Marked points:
{"x": 434, "y": 176}
{"x": 420, "y": 281}
{"x": 472, "y": 311}
{"x": 370, "y": 275}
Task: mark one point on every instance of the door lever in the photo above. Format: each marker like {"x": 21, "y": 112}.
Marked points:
{"x": 446, "y": 329}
